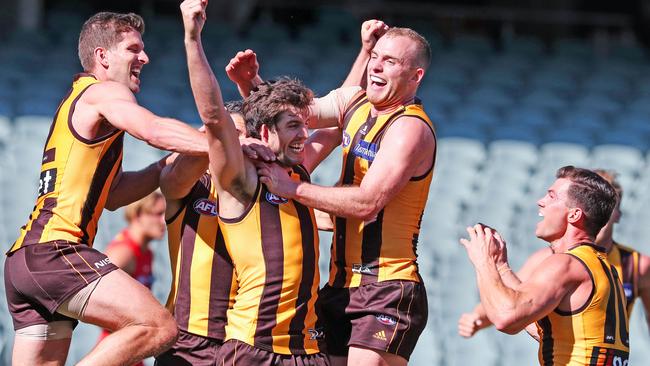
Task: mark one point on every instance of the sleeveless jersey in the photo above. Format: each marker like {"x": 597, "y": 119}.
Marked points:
{"x": 203, "y": 283}
{"x": 626, "y": 262}
{"x": 143, "y": 257}
{"x": 383, "y": 248}
{"x": 274, "y": 247}
{"x": 595, "y": 334}
{"x": 76, "y": 176}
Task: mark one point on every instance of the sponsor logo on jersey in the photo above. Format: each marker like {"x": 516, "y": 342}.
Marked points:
{"x": 205, "y": 207}
{"x": 346, "y": 139}
{"x": 365, "y": 150}
{"x": 386, "y": 319}
{"x": 316, "y": 333}
{"x": 276, "y": 200}
{"x": 361, "y": 268}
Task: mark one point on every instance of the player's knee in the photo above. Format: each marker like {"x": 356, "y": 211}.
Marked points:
{"x": 166, "y": 330}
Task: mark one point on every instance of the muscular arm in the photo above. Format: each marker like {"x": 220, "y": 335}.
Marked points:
{"x": 131, "y": 186}
{"x": 116, "y": 103}
{"x": 225, "y": 153}
{"x": 178, "y": 178}
{"x": 511, "y": 310}
{"x": 319, "y": 145}
{"x": 470, "y": 323}
{"x": 407, "y": 146}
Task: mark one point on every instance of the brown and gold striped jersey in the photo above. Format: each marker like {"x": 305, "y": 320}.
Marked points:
{"x": 203, "y": 281}
{"x": 274, "y": 247}
{"x": 76, "y": 176}
{"x": 383, "y": 248}
{"x": 595, "y": 334}
{"x": 626, "y": 262}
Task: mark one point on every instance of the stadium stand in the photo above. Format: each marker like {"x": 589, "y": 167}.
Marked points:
{"x": 506, "y": 119}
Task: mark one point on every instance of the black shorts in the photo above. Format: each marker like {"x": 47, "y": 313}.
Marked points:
{"x": 386, "y": 316}
{"x": 190, "y": 349}
{"x": 235, "y": 352}
{"x": 41, "y": 277}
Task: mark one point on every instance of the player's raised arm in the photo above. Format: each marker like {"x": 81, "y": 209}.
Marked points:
{"x": 226, "y": 158}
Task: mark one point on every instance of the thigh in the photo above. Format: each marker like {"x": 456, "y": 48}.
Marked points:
{"x": 388, "y": 316}
{"x": 119, "y": 301}
{"x": 372, "y": 357}
{"x": 28, "y": 352}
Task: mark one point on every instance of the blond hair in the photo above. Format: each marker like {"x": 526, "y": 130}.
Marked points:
{"x": 135, "y": 209}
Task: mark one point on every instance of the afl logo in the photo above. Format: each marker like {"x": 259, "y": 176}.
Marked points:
{"x": 386, "y": 319}
{"x": 346, "y": 139}
{"x": 276, "y": 200}
{"x": 205, "y": 207}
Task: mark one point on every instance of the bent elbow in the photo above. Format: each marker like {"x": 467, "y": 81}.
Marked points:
{"x": 507, "y": 325}
{"x": 368, "y": 212}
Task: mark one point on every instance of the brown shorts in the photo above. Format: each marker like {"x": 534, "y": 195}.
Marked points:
{"x": 236, "y": 353}
{"x": 41, "y": 277}
{"x": 386, "y": 316}
{"x": 190, "y": 349}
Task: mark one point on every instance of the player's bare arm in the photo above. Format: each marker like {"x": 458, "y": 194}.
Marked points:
{"x": 115, "y": 104}
{"x": 512, "y": 309}
{"x": 407, "y": 151}
{"x": 371, "y": 31}
{"x": 243, "y": 70}
{"x": 472, "y": 322}
{"x": 129, "y": 187}
{"x": 227, "y": 162}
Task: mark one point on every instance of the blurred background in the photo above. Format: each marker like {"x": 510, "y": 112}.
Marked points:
{"x": 516, "y": 90}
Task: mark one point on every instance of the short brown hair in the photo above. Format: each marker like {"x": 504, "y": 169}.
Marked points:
{"x": 422, "y": 47}
{"x": 105, "y": 29}
{"x": 610, "y": 176}
{"x": 264, "y": 105}
{"x": 136, "y": 208}
{"x": 591, "y": 193}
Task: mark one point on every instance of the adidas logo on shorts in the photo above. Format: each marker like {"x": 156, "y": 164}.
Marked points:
{"x": 381, "y": 335}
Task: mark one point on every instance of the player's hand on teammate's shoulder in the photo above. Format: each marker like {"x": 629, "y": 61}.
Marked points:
{"x": 256, "y": 149}
{"x": 193, "y": 12}
{"x": 277, "y": 179}
{"x": 243, "y": 67}
{"x": 371, "y": 31}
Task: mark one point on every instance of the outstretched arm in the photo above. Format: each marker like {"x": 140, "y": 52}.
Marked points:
{"x": 225, "y": 154}
{"x": 116, "y": 104}
{"x": 128, "y": 187}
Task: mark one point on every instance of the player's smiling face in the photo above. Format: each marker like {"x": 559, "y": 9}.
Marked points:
{"x": 126, "y": 59}
{"x": 392, "y": 77}
{"x": 287, "y": 138}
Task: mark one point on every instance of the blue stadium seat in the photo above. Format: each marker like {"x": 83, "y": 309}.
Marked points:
{"x": 529, "y": 117}
{"x": 545, "y": 98}
{"x": 599, "y": 102}
{"x": 490, "y": 96}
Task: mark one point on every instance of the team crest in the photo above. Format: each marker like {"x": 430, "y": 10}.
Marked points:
{"x": 276, "y": 200}
{"x": 346, "y": 139}
{"x": 386, "y": 319}
{"x": 205, "y": 207}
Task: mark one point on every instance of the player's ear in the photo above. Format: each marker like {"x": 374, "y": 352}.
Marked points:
{"x": 575, "y": 214}
{"x": 101, "y": 56}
